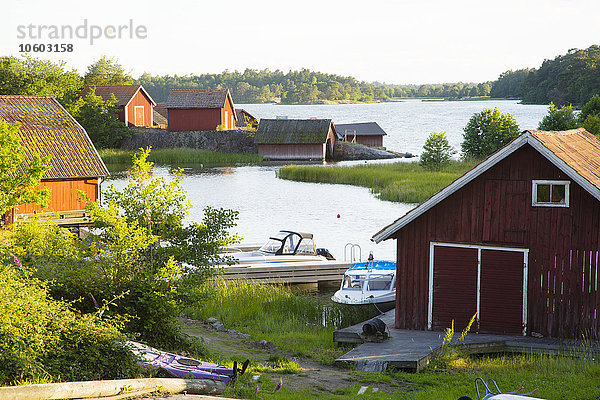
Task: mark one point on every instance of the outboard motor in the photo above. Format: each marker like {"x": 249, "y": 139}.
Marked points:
{"x": 325, "y": 253}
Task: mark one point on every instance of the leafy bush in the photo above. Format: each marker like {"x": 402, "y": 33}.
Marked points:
{"x": 486, "y": 132}
{"x": 590, "y": 115}
{"x": 45, "y": 340}
{"x": 559, "y": 119}
{"x": 437, "y": 152}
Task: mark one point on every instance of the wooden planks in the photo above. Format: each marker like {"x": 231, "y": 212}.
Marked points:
{"x": 297, "y": 272}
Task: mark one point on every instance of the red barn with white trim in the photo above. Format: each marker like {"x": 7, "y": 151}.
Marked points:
{"x": 200, "y": 110}
{"x": 135, "y": 104}
{"x": 515, "y": 240}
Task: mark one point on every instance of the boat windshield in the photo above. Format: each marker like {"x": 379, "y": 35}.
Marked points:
{"x": 307, "y": 246}
{"x": 380, "y": 282}
{"x": 282, "y": 243}
{"x": 353, "y": 282}
{"x": 272, "y": 246}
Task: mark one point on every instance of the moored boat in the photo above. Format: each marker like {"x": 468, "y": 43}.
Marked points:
{"x": 284, "y": 247}
{"x": 370, "y": 282}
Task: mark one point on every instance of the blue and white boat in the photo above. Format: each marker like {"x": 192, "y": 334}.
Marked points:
{"x": 370, "y": 282}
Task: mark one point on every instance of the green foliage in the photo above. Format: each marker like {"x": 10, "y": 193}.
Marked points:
{"x": 590, "y": 115}
{"x": 446, "y": 90}
{"x": 296, "y": 323}
{"x": 45, "y": 340}
{"x": 572, "y": 78}
{"x": 437, "y": 152}
{"x": 107, "y": 71}
{"x": 508, "y": 84}
{"x": 19, "y": 179}
{"x": 100, "y": 119}
{"x": 182, "y": 156}
{"x": 486, "y": 132}
{"x": 399, "y": 182}
{"x": 31, "y": 76}
{"x": 253, "y": 86}
{"x": 559, "y": 119}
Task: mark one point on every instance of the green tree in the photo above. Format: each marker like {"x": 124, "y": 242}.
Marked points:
{"x": 31, "y": 76}
{"x": 589, "y": 117}
{"x": 18, "y": 177}
{"x": 437, "y": 152}
{"x": 100, "y": 119}
{"x": 486, "y": 132}
{"x": 107, "y": 71}
{"x": 559, "y": 119}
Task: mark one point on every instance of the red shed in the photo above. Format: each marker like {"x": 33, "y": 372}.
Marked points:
{"x": 200, "y": 110}
{"x": 515, "y": 240}
{"x": 135, "y": 104}
{"x": 367, "y": 133}
{"x": 48, "y": 129}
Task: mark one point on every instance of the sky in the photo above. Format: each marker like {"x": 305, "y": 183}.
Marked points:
{"x": 396, "y": 42}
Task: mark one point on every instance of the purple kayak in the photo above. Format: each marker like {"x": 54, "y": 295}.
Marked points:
{"x": 184, "y": 367}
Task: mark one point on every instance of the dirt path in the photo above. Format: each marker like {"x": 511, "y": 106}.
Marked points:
{"x": 323, "y": 378}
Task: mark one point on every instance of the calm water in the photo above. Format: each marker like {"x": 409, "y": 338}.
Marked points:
{"x": 267, "y": 204}
{"x": 407, "y": 123}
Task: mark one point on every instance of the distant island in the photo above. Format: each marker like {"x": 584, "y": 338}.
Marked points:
{"x": 572, "y": 78}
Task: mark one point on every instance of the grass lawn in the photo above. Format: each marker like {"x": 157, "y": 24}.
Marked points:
{"x": 399, "y": 182}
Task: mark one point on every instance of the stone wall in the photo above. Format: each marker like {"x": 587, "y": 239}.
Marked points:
{"x": 238, "y": 141}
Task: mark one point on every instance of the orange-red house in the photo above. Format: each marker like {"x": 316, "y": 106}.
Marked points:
{"x": 48, "y": 129}
{"x": 135, "y": 104}
{"x": 200, "y": 110}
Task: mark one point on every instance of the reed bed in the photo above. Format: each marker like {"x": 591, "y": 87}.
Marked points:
{"x": 182, "y": 156}
{"x": 398, "y": 182}
{"x": 298, "y": 323}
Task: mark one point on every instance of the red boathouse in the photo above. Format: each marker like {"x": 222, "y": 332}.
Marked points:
{"x": 200, "y": 110}
{"x": 135, "y": 104}
{"x": 515, "y": 240}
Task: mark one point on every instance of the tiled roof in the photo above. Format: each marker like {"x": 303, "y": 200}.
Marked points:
{"x": 161, "y": 108}
{"x": 123, "y": 93}
{"x": 578, "y": 148}
{"x": 292, "y": 131}
{"x": 183, "y": 98}
{"x": 361, "y": 129}
{"x": 47, "y": 128}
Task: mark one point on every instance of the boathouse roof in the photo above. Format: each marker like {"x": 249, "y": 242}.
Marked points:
{"x": 576, "y": 152}
{"x": 48, "y": 129}
{"x": 184, "y": 98}
{"x": 123, "y": 93}
{"x": 361, "y": 129}
{"x": 293, "y": 131}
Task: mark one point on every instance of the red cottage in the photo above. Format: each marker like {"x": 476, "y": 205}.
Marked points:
{"x": 515, "y": 240}
{"x": 367, "y": 133}
{"x": 200, "y": 110}
{"x": 135, "y": 104}
{"x": 48, "y": 129}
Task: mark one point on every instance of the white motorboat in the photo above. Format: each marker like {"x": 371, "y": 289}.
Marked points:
{"x": 284, "y": 247}
{"x": 371, "y": 282}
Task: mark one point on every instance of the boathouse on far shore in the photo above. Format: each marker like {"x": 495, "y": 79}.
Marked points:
{"x": 295, "y": 139}
{"x": 48, "y": 129}
{"x": 516, "y": 240}
{"x": 367, "y": 133}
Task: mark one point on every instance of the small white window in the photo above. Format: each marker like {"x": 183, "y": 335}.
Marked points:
{"x": 550, "y": 193}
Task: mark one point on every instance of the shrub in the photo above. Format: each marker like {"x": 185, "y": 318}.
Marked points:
{"x": 559, "y": 119}
{"x": 437, "y": 152}
{"x": 45, "y": 340}
{"x": 486, "y": 132}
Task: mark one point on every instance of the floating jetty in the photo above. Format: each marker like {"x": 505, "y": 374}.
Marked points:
{"x": 289, "y": 272}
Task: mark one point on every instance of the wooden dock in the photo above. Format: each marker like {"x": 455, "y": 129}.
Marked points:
{"x": 412, "y": 350}
{"x": 296, "y": 272}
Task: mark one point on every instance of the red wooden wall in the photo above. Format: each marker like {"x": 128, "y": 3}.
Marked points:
{"x": 140, "y": 99}
{"x": 292, "y": 151}
{"x": 495, "y": 209}
{"x": 201, "y": 119}
{"x": 373, "y": 141}
{"x": 63, "y": 195}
